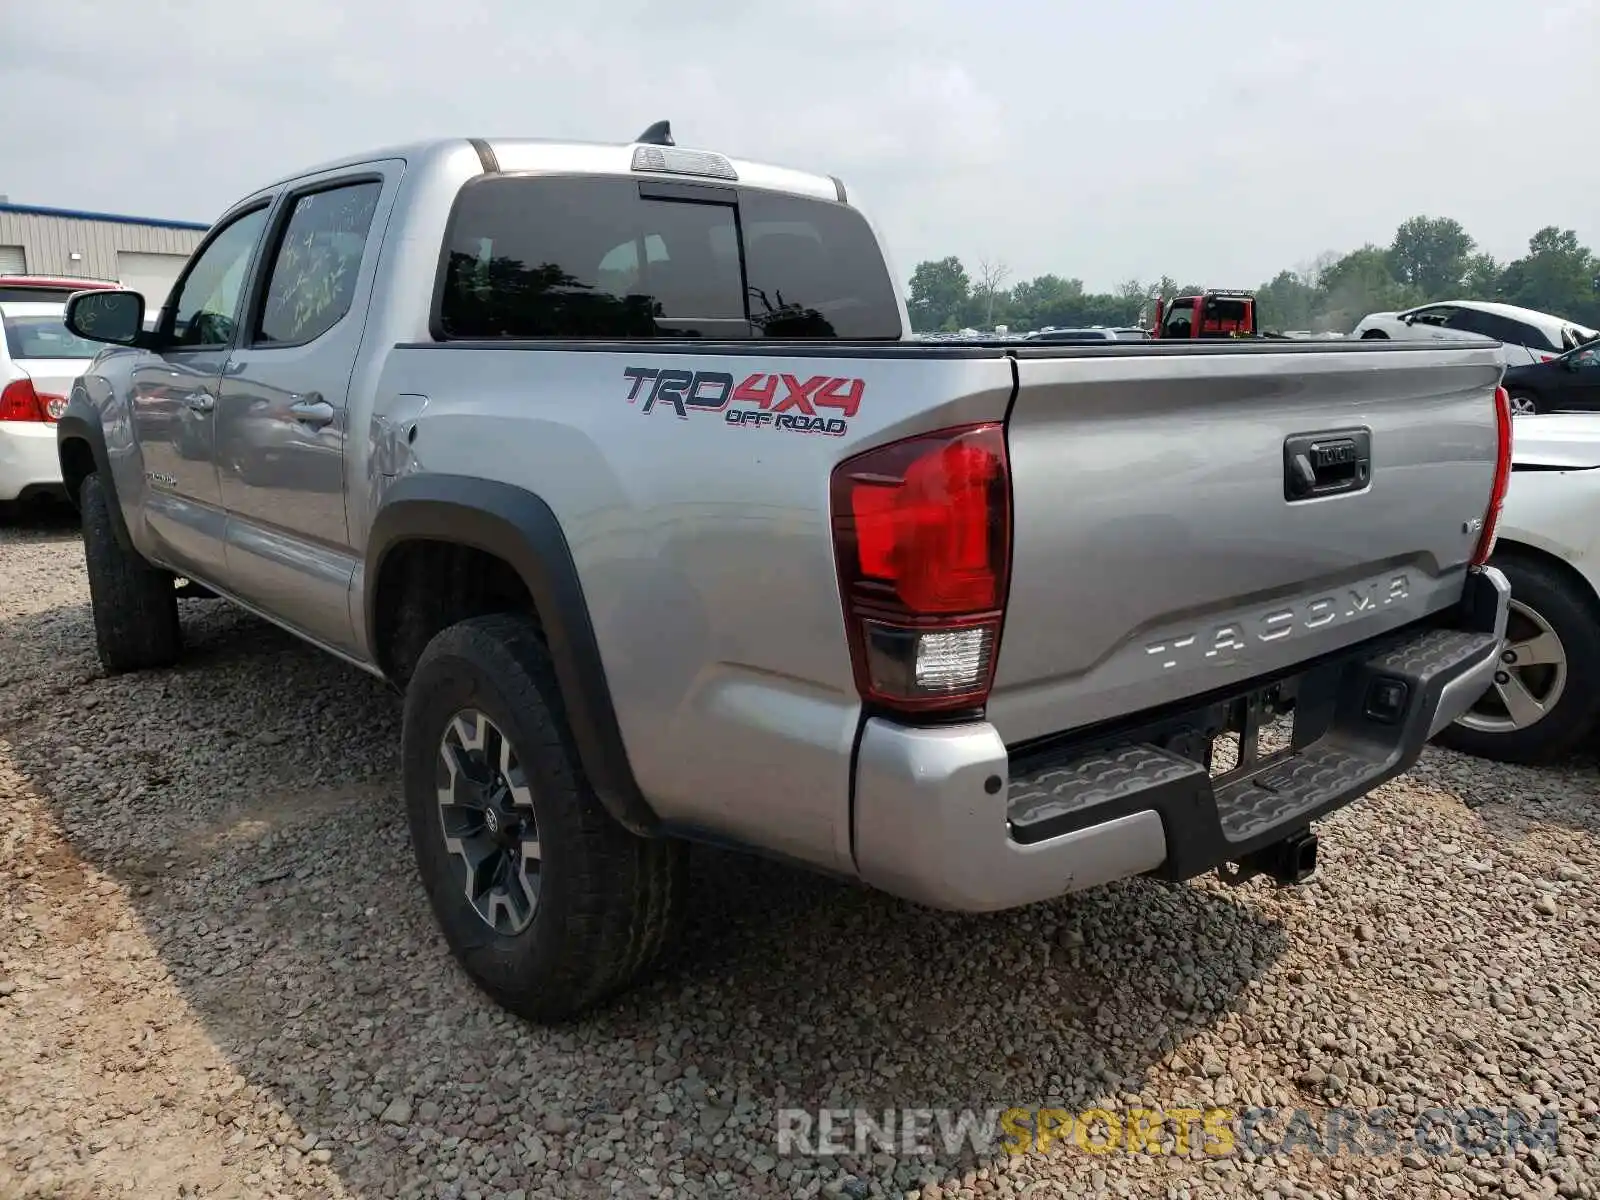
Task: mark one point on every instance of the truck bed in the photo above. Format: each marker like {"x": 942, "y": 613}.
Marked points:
{"x": 1152, "y": 544}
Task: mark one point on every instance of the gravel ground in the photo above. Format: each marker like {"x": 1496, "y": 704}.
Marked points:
{"x": 219, "y": 978}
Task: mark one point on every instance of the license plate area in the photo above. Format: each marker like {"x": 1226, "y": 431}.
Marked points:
{"x": 1256, "y": 729}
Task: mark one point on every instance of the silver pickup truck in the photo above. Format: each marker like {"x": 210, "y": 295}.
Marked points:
{"x": 620, "y": 462}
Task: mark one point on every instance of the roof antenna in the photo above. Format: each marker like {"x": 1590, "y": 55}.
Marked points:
{"x": 659, "y": 134}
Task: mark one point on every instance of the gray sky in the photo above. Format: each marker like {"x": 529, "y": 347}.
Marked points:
{"x": 1077, "y": 139}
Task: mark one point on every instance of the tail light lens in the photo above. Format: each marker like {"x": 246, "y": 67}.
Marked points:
{"x": 1502, "y": 477}
{"x": 922, "y": 534}
{"x": 19, "y": 402}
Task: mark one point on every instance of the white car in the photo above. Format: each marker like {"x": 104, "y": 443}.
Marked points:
{"x": 39, "y": 359}
{"x": 1545, "y": 701}
{"x": 1528, "y": 336}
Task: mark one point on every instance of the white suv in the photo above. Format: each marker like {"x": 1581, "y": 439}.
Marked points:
{"x": 1528, "y": 336}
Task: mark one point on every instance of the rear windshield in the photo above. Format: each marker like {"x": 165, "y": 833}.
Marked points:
{"x": 33, "y": 293}
{"x": 531, "y": 257}
{"x": 45, "y": 337}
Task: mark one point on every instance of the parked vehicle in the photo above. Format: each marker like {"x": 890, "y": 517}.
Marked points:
{"x": 38, "y": 361}
{"x": 1072, "y": 335}
{"x": 1528, "y": 336}
{"x": 1570, "y": 383}
{"x": 1208, "y": 314}
{"x": 1095, "y": 333}
{"x": 618, "y": 460}
{"x": 1545, "y": 700}
{"x": 45, "y": 289}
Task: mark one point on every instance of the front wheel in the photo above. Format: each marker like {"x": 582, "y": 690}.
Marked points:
{"x": 547, "y": 902}
{"x": 1523, "y": 404}
{"x": 135, "y": 604}
{"x": 1545, "y": 698}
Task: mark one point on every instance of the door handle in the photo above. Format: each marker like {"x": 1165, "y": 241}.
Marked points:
{"x": 312, "y": 410}
{"x": 1326, "y": 464}
{"x": 200, "y": 402}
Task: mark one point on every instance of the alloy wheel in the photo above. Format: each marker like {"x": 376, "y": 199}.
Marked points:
{"x": 1531, "y": 677}
{"x": 487, "y": 819}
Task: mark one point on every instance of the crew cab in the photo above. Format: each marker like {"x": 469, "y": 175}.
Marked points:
{"x": 619, "y": 461}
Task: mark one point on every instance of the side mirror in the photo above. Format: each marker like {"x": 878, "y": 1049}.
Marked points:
{"x": 107, "y": 315}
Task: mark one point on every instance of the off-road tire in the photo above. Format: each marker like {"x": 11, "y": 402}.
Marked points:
{"x": 609, "y": 904}
{"x": 135, "y": 605}
{"x": 1575, "y": 716}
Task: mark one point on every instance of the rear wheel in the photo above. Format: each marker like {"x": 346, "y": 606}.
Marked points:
{"x": 1374, "y": 335}
{"x": 135, "y": 605}
{"x": 1545, "y": 699}
{"x": 548, "y": 903}
{"x": 1524, "y": 404}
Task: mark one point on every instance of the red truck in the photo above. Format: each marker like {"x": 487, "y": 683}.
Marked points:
{"x": 1208, "y": 314}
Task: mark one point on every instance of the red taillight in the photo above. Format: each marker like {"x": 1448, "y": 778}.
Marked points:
{"x": 1502, "y": 477}
{"x": 922, "y": 533}
{"x": 19, "y": 402}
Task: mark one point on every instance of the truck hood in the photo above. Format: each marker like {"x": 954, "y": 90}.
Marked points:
{"x": 1564, "y": 441}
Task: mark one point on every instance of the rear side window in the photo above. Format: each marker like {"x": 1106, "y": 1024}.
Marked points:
{"x": 1518, "y": 334}
{"x": 1501, "y": 329}
{"x": 531, "y": 257}
{"x": 316, "y": 262}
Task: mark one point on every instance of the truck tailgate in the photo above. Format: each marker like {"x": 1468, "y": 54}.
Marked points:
{"x": 1161, "y": 549}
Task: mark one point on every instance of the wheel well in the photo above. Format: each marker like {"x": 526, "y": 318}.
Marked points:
{"x": 1581, "y": 587}
{"x": 1373, "y": 335}
{"x": 77, "y": 464}
{"x": 425, "y": 586}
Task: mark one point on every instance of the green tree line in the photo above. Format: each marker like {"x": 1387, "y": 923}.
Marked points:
{"x": 1430, "y": 258}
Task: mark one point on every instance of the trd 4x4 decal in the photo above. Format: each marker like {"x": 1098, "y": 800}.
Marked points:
{"x": 766, "y": 398}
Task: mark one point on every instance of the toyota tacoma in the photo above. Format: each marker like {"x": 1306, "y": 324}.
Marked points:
{"x": 621, "y": 463}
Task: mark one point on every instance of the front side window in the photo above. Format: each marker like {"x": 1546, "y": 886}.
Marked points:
{"x": 207, "y": 310}
{"x": 315, "y": 265}
{"x": 1179, "y": 322}
{"x": 1436, "y": 317}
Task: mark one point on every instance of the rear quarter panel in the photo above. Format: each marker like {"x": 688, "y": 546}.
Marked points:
{"x": 704, "y": 552}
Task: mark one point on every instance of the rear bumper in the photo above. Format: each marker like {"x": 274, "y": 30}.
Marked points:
{"x": 950, "y": 818}
{"x": 28, "y": 461}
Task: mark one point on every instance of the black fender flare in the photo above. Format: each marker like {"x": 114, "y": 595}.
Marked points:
{"x": 81, "y": 423}
{"x": 519, "y": 528}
